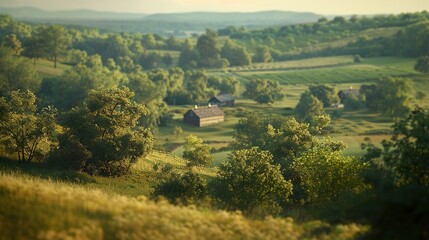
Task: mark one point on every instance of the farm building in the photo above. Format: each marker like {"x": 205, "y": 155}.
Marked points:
{"x": 222, "y": 100}
{"x": 343, "y": 94}
{"x": 202, "y": 117}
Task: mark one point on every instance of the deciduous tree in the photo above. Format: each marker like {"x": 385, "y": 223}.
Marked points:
{"x": 235, "y": 54}
{"x": 328, "y": 95}
{"x": 252, "y": 182}
{"x": 196, "y": 152}
{"x": 308, "y": 107}
{"x": 263, "y": 91}
{"x": 395, "y": 96}
{"x": 23, "y": 129}
{"x": 56, "y": 41}
{"x": 208, "y": 50}
{"x": 13, "y": 43}
{"x": 106, "y": 127}
{"x": 422, "y": 64}
{"x": 263, "y": 55}
{"x": 16, "y": 73}
{"x": 325, "y": 174}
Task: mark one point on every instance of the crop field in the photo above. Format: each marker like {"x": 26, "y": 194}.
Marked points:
{"x": 369, "y": 70}
{"x": 297, "y": 64}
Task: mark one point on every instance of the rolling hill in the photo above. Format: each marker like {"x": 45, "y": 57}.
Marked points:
{"x": 264, "y": 18}
{"x": 30, "y": 13}
{"x": 165, "y": 23}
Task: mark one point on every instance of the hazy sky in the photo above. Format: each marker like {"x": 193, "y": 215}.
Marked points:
{"x": 158, "y": 6}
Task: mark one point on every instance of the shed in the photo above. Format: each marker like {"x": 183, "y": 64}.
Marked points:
{"x": 222, "y": 100}
{"x": 202, "y": 117}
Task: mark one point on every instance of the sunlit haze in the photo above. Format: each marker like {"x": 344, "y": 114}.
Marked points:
{"x": 162, "y": 6}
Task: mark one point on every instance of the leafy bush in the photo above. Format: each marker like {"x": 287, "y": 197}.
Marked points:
{"x": 184, "y": 188}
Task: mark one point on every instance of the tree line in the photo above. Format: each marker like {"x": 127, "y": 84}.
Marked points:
{"x": 241, "y": 48}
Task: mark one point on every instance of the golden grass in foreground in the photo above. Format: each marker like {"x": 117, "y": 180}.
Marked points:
{"x": 39, "y": 209}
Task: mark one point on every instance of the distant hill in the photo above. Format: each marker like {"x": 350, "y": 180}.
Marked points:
{"x": 30, "y": 13}
{"x": 163, "y": 23}
{"x": 264, "y": 18}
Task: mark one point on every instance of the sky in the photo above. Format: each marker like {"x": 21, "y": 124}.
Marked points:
{"x": 327, "y": 7}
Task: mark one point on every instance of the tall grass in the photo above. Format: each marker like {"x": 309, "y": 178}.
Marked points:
{"x": 42, "y": 209}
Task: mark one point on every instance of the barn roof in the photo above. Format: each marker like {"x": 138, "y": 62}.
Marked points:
{"x": 206, "y": 112}
{"x": 224, "y": 97}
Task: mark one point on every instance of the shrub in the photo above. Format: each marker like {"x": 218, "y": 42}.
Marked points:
{"x": 185, "y": 188}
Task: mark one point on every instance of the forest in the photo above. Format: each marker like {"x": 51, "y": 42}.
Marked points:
{"x": 327, "y": 138}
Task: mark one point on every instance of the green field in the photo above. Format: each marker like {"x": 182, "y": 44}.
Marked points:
{"x": 369, "y": 70}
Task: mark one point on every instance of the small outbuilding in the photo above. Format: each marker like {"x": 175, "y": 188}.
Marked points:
{"x": 205, "y": 116}
{"x": 222, "y": 100}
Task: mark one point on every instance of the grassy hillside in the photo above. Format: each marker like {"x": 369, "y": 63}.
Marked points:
{"x": 139, "y": 182}
{"x": 46, "y": 68}
{"x": 31, "y": 208}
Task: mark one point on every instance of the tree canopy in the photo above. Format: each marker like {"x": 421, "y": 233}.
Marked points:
{"x": 252, "y": 182}
{"x": 105, "y": 127}
{"x": 196, "y": 152}
{"x": 209, "y": 52}
{"x": 16, "y": 73}
{"x": 235, "y": 54}
{"x": 308, "y": 107}
{"x": 23, "y": 129}
{"x": 326, "y": 94}
{"x": 56, "y": 41}
{"x": 263, "y": 91}
{"x": 422, "y": 64}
